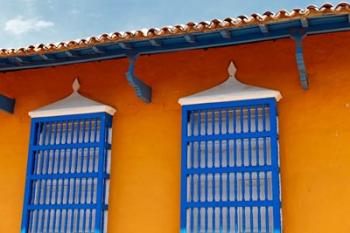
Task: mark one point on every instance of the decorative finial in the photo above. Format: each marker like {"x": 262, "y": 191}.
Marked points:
{"x": 231, "y": 69}
{"x": 76, "y": 85}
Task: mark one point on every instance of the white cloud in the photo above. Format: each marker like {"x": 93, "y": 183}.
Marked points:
{"x": 20, "y": 26}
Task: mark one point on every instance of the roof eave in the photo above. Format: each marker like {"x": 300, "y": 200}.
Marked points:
{"x": 324, "y": 23}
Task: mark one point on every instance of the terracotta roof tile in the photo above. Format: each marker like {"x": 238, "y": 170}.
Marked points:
{"x": 191, "y": 27}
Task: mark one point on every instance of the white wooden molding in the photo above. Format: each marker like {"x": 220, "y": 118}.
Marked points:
{"x": 71, "y": 105}
{"x": 230, "y": 90}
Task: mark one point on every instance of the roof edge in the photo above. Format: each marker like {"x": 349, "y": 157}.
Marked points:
{"x": 190, "y": 27}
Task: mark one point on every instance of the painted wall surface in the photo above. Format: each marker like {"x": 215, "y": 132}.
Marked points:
{"x": 145, "y": 180}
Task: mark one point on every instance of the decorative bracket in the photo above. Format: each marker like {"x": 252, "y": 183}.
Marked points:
{"x": 143, "y": 91}
{"x": 297, "y": 36}
{"x": 7, "y": 104}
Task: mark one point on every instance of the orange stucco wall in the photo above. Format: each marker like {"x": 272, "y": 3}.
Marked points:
{"x": 144, "y": 196}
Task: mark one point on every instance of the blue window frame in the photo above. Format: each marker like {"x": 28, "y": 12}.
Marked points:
{"x": 230, "y": 168}
{"x": 67, "y": 179}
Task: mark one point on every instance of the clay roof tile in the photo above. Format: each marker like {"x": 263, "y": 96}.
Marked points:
{"x": 190, "y": 27}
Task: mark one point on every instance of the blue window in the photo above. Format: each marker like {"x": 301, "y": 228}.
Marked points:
{"x": 68, "y": 174}
{"x": 230, "y": 168}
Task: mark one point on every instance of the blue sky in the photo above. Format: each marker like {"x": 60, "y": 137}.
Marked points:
{"x": 26, "y": 22}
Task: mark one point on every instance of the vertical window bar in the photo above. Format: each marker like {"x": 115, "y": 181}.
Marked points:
{"x": 83, "y": 133}
{"x": 267, "y": 225}
{"x": 44, "y": 133}
{"x": 76, "y": 159}
{"x": 89, "y": 131}
{"x": 37, "y": 218}
{"x": 191, "y": 145}
{"x": 78, "y": 211}
{"x": 64, "y": 218}
{"x": 92, "y": 191}
{"x": 199, "y": 123}
{"x": 88, "y": 158}
{"x": 206, "y": 219}
{"x": 84, "y": 221}
{"x": 53, "y": 225}
{"x": 90, "y": 220}
{"x": 227, "y": 122}
{"x": 55, "y": 133}
{"x": 264, "y": 117}
{"x": 213, "y": 122}
{"x": 251, "y": 219}
{"x": 206, "y": 142}
{"x": 235, "y": 118}
{"x": 64, "y": 163}
{"x": 49, "y": 134}
{"x": 95, "y": 130}
{"x": 58, "y": 221}
{"x": 229, "y": 230}
{"x": 220, "y": 154}
{"x": 192, "y": 188}
{"x": 220, "y": 216}
{"x": 78, "y": 132}
{"x": 82, "y": 158}
{"x": 249, "y": 119}
{"x": 44, "y": 219}
{"x": 71, "y": 149}
{"x": 72, "y": 225}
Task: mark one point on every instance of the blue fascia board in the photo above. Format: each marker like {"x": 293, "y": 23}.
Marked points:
{"x": 324, "y": 24}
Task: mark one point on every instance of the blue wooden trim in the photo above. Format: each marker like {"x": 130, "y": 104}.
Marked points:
{"x": 47, "y": 180}
{"x": 221, "y": 105}
{"x": 297, "y": 36}
{"x": 230, "y": 204}
{"x": 65, "y": 206}
{"x": 101, "y": 180}
{"x": 67, "y": 176}
{"x": 226, "y": 169}
{"x": 233, "y": 36}
{"x": 7, "y": 104}
{"x": 276, "y": 196}
{"x": 227, "y": 136}
{"x": 220, "y": 135}
{"x": 62, "y": 206}
{"x": 183, "y": 173}
{"x": 143, "y": 91}
{"x": 65, "y": 146}
{"x": 25, "y": 220}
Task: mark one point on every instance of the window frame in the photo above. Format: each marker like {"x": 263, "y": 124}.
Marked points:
{"x": 275, "y": 163}
{"x": 104, "y": 147}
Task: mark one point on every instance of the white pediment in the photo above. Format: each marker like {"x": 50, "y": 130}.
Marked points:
{"x": 230, "y": 90}
{"x": 71, "y": 105}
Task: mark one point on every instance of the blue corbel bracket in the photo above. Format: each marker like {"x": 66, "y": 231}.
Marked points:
{"x": 143, "y": 91}
{"x": 298, "y": 36}
{"x": 7, "y": 104}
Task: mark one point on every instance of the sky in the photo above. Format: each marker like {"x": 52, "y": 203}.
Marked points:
{"x": 32, "y": 22}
